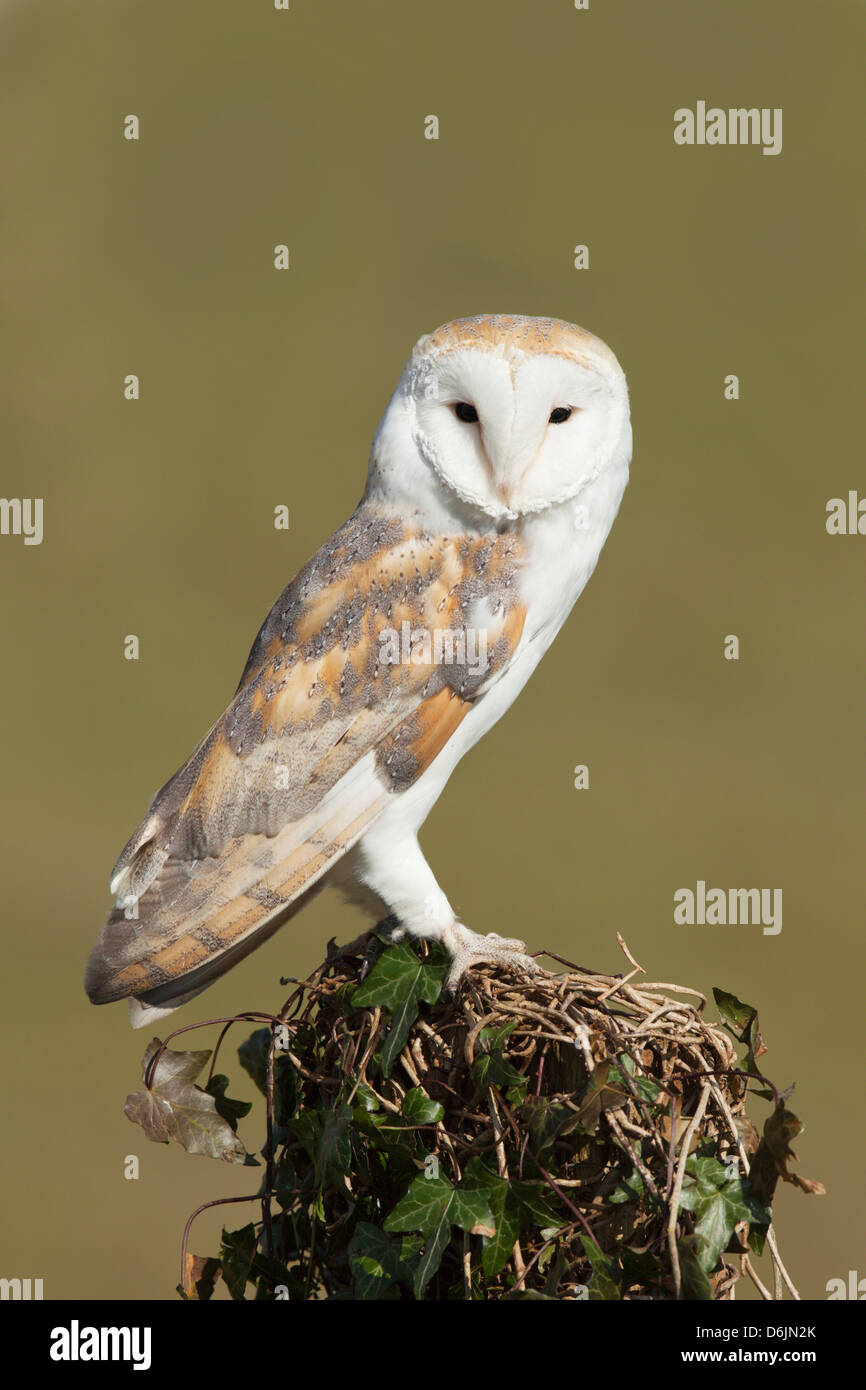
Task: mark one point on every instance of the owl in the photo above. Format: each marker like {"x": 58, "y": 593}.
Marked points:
{"x": 494, "y": 479}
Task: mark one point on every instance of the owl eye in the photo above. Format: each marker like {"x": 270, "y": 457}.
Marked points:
{"x": 559, "y": 415}
{"x": 465, "y": 412}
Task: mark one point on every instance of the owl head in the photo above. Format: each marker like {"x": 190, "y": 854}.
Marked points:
{"x": 503, "y": 416}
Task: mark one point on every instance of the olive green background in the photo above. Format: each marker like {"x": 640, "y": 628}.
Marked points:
{"x": 260, "y": 388}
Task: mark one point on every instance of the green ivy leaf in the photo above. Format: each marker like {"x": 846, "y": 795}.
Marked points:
{"x": 741, "y": 1020}
{"x": 422, "y": 1206}
{"x": 704, "y": 1178}
{"x": 336, "y": 1148}
{"x": 491, "y": 1039}
{"x": 325, "y": 1136}
{"x": 743, "y": 1205}
{"x": 252, "y": 1056}
{"x": 530, "y": 1196}
{"x": 504, "y": 1206}
{"x": 307, "y": 1127}
{"x": 719, "y": 1203}
{"x": 604, "y": 1286}
{"x": 492, "y": 1069}
{"x": 629, "y": 1189}
{"x": 368, "y": 1098}
{"x": 695, "y": 1281}
{"x": 430, "y": 1258}
{"x": 397, "y": 982}
{"x": 547, "y": 1121}
{"x": 236, "y": 1257}
{"x": 376, "y": 1261}
{"x": 231, "y": 1110}
{"x": 432, "y": 1206}
{"x": 643, "y": 1086}
{"x": 419, "y": 1109}
{"x": 713, "y": 1230}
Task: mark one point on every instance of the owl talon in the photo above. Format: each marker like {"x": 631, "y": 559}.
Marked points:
{"x": 468, "y": 948}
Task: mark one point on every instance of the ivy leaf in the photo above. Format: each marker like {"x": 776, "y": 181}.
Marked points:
{"x": 435, "y": 1243}
{"x": 368, "y": 1098}
{"x": 530, "y": 1196}
{"x": 741, "y": 1020}
{"x": 231, "y": 1110}
{"x": 427, "y": 1199}
{"x": 497, "y": 1248}
{"x": 704, "y": 1177}
{"x": 774, "y": 1153}
{"x": 325, "y": 1136}
{"x": 547, "y": 1121}
{"x": 253, "y": 1056}
{"x": 743, "y": 1205}
{"x": 335, "y": 1150}
{"x": 492, "y": 1069}
{"x": 695, "y": 1282}
{"x": 389, "y": 1146}
{"x": 236, "y": 1258}
{"x": 643, "y": 1086}
{"x": 421, "y": 1207}
{"x": 174, "y": 1108}
{"x": 432, "y": 1206}
{"x": 471, "y": 1211}
{"x": 713, "y": 1231}
{"x": 493, "y": 1038}
{"x": 376, "y": 1262}
{"x": 646, "y": 1089}
{"x": 604, "y": 1284}
{"x": 419, "y": 1109}
{"x": 629, "y": 1189}
{"x": 719, "y": 1203}
{"x": 397, "y": 982}
{"x": 606, "y": 1091}
{"x": 307, "y": 1127}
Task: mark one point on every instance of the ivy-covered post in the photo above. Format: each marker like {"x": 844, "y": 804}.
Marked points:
{"x": 570, "y": 1136}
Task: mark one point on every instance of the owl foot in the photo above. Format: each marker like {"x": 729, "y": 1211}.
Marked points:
{"x": 469, "y": 948}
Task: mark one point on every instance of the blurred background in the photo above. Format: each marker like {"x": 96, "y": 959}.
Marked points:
{"x": 261, "y": 388}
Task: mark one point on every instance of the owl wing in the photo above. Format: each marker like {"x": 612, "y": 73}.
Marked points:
{"x": 324, "y": 729}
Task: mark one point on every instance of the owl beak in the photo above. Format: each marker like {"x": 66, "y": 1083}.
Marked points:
{"x": 510, "y": 460}
{"x": 496, "y": 483}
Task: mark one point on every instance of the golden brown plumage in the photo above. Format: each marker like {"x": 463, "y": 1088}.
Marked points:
{"x": 319, "y": 735}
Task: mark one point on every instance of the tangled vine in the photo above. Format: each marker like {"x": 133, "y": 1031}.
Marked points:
{"x": 574, "y": 1135}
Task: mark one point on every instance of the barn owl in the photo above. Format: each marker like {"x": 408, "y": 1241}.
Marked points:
{"x": 494, "y": 478}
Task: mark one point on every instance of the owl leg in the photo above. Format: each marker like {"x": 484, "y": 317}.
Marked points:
{"x": 392, "y": 876}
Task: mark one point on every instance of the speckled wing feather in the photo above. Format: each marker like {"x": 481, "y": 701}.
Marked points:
{"x": 320, "y": 734}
